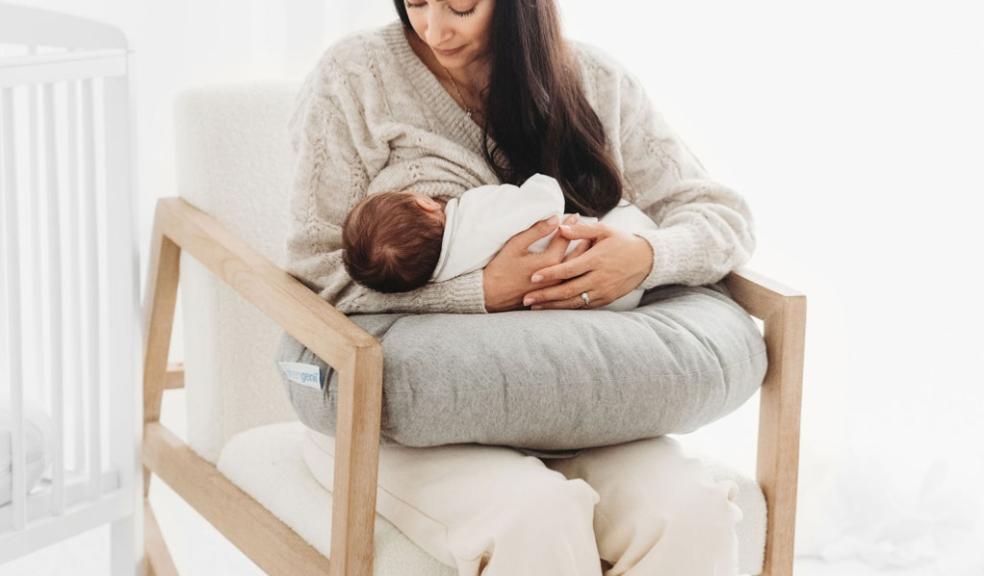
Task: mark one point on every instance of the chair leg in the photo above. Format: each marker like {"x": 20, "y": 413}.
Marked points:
{"x": 163, "y": 273}
{"x": 158, "y": 320}
{"x": 779, "y": 431}
{"x": 158, "y": 317}
{"x": 158, "y": 557}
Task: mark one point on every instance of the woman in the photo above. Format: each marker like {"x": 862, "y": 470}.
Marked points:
{"x": 461, "y": 93}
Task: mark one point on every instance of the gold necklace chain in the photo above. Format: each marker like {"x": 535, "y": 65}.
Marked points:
{"x": 468, "y": 109}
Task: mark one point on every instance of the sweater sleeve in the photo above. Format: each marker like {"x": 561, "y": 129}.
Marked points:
{"x": 331, "y": 173}
{"x": 705, "y": 228}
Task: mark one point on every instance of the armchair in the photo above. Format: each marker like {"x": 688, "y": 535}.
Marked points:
{"x": 182, "y": 228}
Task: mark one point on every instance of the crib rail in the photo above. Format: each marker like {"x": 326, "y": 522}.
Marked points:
{"x": 69, "y": 278}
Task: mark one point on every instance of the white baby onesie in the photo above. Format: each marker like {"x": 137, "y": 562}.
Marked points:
{"x": 482, "y": 219}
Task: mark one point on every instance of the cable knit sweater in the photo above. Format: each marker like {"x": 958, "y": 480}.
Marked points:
{"x": 371, "y": 117}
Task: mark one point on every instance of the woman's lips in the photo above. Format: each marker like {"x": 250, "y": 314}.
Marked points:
{"x": 447, "y": 53}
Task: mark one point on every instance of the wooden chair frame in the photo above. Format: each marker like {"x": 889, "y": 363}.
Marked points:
{"x": 358, "y": 358}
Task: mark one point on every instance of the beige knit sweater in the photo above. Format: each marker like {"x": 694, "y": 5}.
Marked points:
{"x": 372, "y": 117}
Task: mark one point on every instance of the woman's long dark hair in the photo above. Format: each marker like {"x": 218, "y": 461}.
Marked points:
{"x": 536, "y": 112}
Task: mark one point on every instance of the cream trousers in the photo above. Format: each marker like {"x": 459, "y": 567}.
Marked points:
{"x": 646, "y": 508}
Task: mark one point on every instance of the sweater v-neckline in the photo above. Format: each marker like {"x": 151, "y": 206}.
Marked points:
{"x": 431, "y": 89}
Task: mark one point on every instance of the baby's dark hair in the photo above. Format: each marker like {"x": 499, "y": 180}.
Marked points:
{"x": 391, "y": 244}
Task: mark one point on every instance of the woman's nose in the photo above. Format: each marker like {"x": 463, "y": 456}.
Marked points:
{"x": 437, "y": 31}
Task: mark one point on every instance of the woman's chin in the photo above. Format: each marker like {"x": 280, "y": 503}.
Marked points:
{"x": 449, "y": 59}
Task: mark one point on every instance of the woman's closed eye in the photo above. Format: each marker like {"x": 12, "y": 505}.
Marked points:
{"x": 461, "y": 13}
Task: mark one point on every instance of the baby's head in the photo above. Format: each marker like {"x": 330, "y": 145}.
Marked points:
{"x": 392, "y": 240}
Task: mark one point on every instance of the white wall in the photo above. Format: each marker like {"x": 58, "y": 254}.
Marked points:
{"x": 854, "y": 130}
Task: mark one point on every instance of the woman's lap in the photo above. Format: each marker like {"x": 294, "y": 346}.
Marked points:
{"x": 643, "y": 506}
{"x": 488, "y": 509}
{"x": 659, "y": 510}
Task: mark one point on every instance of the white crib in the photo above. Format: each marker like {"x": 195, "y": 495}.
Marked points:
{"x": 69, "y": 287}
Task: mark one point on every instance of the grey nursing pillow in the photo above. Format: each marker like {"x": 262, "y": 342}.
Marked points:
{"x": 549, "y": 380}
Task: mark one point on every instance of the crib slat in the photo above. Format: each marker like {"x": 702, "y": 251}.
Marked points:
{"x": 12, "y": 261}
{"x": 76, "y": 304}
{"x": 32, "y": 267}
{"x": 91, "y": 267}
{"x": 123, "y": 375}
{"x": 3, "y": 255}
{"x": 56, "y": 329}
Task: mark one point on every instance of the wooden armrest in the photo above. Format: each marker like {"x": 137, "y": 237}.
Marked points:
{"x": 759, "y": 295}
{"x": 350, "y": 350}
{"x": 783, "y": 313}
{"x": 302, "y": 313}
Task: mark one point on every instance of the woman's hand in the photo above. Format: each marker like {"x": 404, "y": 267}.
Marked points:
{"x": 507, "y": 277}
{"x": 616, "y": 264}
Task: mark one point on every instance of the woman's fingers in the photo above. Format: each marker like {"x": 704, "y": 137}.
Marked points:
{"x": 564, "y": 270}
{"x": 564, "y": 291}
{"x": 558, "y": 244}
{"x": 581, "y": 247}
{"x": 569, "y": 304}
{"x": 583, "y": 229}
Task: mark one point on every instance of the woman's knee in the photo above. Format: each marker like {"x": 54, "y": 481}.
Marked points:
{"x": 574, "y": 499}
{"x": 690, "y": 527}
{"x": 555, "y": 506}
{"x": 546, "y": 526}
{"x": 698, "y": 501}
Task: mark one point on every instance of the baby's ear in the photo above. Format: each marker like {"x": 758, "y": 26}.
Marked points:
{"x": 429, "y": 204}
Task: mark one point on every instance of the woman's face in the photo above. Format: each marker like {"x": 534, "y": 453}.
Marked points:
{"x": 457, "y": 31}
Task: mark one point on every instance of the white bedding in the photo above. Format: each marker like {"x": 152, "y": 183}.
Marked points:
{"x": 37, "y": 449}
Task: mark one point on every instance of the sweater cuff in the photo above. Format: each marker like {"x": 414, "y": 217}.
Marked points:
{"x": 466, "y": 294}
{"x": 677, "y": 257}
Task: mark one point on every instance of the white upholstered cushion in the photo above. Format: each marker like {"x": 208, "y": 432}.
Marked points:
{"x": 268, "y": 464}
{"x": 233, "y": 162}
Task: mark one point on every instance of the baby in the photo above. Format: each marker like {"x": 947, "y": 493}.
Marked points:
{"x": 400, "y": 241}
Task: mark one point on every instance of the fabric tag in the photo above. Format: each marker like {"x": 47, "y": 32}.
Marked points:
{"x": 304, "y": 374}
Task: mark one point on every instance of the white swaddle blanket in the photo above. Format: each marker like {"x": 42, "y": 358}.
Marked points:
{"x": 482, "y": 219}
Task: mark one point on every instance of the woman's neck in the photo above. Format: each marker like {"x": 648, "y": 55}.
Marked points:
{"x": 471, "y": 78}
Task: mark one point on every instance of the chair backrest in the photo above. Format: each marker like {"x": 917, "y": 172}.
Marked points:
{"x": 233, "y": 161}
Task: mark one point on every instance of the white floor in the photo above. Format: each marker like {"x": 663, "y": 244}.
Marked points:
{"x": 198, "y": 549}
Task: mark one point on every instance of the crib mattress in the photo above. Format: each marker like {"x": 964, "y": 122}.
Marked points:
{"x": 264, "y": 460}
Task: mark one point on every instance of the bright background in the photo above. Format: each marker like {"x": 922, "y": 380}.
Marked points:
{"x": 856, "y": 132}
